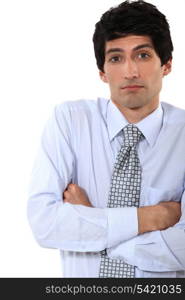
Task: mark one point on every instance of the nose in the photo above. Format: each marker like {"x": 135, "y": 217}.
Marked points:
{"x": 130, "y": 70}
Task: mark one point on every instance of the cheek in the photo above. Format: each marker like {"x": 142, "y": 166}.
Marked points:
{"x": 113, "y": 78}
{"x": 153, "y": 76}
{"x": 113, "y": 74}
{"x": 157, "y": 79}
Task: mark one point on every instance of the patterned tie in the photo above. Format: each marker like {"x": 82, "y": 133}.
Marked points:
{"x": 124, "y": 191}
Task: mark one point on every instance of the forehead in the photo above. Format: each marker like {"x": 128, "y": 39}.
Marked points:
{"x": 129, "y": 42}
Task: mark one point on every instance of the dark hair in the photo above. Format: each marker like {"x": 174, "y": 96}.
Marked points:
{"x": 137, "y": 18}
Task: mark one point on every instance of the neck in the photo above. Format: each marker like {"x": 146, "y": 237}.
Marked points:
{"x": 135, "y": 115}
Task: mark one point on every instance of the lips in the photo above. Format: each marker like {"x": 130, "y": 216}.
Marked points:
{"x": 132, "y": 87}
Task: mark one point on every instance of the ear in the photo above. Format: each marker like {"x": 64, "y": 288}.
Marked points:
{"x": 167, "y": 67}
{"x": 103, "y": 76}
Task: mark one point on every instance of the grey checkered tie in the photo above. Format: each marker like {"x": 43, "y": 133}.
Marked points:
{"x": 124, "y": 191}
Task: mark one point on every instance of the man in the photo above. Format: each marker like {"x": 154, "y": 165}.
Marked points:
{"x": 107, "y": 187}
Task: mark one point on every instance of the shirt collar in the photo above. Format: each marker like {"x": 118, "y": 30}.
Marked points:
{"x": 149, "y": 126}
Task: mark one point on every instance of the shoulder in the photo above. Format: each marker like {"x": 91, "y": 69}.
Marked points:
{"x": 173, "y": 114}
{"x": 79, "y": 108}
{"x": 82, "y": 104}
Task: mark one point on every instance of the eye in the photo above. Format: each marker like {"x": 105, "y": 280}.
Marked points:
{"x": 115, "y": 59}
{"x": 143, "y": 55}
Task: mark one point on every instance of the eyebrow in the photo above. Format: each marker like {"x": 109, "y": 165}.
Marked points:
{"x": 111, "y": 50}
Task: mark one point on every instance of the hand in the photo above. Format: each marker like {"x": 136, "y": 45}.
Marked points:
{"x": 74, "y": 194}
{"x": 158, "y": 217}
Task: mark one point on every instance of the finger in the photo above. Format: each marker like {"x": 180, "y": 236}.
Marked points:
{"x": 69, "y": 187}
{"x": 72, "y": 187}
{"x": 66, "y": 194}
{"x": 67, "y": 200}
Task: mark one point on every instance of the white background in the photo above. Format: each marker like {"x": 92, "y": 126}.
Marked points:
{"x": 46, "y": 57}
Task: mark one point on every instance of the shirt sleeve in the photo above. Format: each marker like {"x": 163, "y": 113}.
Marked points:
{"x": 157, "y": 251}
{"x": 56, "y": 224}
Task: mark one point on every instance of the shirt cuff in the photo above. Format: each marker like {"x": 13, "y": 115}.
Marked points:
{"x": 122, "y": 224}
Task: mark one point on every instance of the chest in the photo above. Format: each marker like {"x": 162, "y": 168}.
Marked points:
{"x": 163, "y": 168}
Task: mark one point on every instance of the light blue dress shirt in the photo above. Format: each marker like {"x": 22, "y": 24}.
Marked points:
{"x": 79, "y": 144}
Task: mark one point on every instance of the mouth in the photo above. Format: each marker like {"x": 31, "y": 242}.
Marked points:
{"x": 132, "y": 87}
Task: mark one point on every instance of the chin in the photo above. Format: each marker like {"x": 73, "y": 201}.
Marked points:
{"x": 130, "y": 103}
{"x": 133, "y": 105}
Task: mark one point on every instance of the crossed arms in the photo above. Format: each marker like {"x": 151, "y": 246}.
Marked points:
{"x": 150, "y": 218}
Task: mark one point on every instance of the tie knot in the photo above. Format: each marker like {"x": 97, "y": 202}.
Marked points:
{"x": 132, "y": 135}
